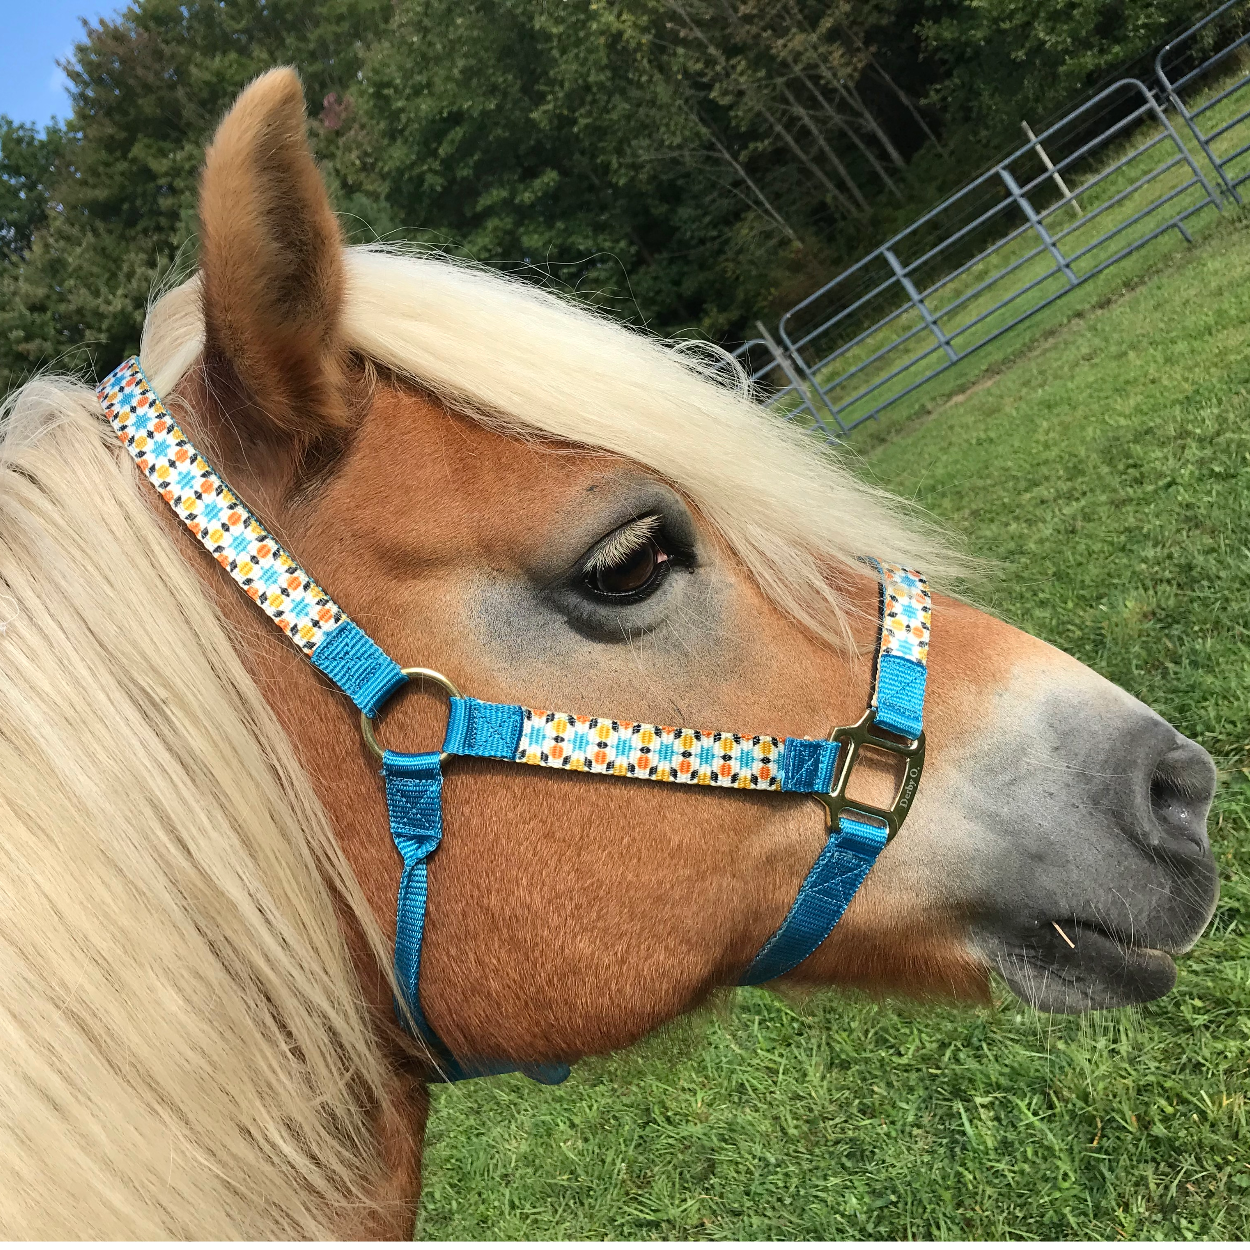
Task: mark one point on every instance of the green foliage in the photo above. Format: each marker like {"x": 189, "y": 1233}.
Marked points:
{"x": 1105, "y": 468}
{"x": 1003, "y": 60}
{"x": 118, "y": 196}
{"x": 27, "y": 163}
{"x": 691, "y": 164}
{"x": 479, "y": 122}
{"x": 572, "y": 141}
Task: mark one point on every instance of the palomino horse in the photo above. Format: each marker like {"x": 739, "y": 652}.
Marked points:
{"x": 199, "y": 885}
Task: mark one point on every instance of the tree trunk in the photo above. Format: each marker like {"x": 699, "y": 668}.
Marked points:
{"x": 783, "y": 134}
{"x": 849, "y": 131}
{"x": 826, "y": 149}
{"x": 872, "y": 122}
{"x": 908, "y": 103}
{"x": 769, "y": 210}
{"x": 851, "y": 96}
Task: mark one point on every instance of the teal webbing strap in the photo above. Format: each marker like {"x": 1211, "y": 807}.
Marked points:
{"x": 358, "y": 666}
{"x": 414, "y": 799}
{"x": 827, "y": 890}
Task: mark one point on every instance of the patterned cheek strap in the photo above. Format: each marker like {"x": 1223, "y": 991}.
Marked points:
{"x": 315, "y": 624}
{"x": 230, "y": 532}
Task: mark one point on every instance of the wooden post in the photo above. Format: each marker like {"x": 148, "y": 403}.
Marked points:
{"x": 1054, "y": 173}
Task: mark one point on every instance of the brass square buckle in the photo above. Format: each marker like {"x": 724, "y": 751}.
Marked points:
{"x": 865, "y": 733}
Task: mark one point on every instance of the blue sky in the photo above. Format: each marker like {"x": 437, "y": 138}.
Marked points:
{"x": 35, "y": 35}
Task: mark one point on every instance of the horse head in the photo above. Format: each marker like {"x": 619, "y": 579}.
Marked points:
{"x": 555, "y": 510}
{"x": 569, "y": 532}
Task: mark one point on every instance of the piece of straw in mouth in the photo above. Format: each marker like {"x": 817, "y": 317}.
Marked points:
{"x": 1063, "y": 935}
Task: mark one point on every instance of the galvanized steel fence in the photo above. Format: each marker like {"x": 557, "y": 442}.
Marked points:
{"x": 1067, "y": 205}
{"x": 1225, "y": 144}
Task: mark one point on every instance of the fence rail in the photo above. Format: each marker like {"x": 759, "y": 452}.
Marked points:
{"x": 1215, "y": 143}
{"x": 1014, "y": 240}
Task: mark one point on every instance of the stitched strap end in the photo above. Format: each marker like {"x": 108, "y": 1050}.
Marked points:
{"x": 358, "y": 666}
{"x": 807, "y": 765}
{"x": 899, "y": 701}
{"x": 489, "y": 730}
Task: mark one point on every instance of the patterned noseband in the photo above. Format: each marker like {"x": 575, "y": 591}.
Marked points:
{"x": 316, "y": 625}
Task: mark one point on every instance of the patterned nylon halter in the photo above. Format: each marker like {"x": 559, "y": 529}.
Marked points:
{"x": 342, "y": 651}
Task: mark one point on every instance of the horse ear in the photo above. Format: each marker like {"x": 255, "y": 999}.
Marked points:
{"x": 271, "y": 259}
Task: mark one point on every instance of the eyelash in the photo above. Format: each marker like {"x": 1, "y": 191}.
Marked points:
{"x": 615, "y": 551}
{"x": 622, "y": 543}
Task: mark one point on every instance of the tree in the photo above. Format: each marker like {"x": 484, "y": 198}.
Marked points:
{"x": 27, "y": 165}
{"x": 115, "y": 204}
{"x": 1003, "y": 60}
{"x": 693, "y": 164}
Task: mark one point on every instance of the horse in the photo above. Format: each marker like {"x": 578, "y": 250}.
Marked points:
{"x": 199, "y": 1036}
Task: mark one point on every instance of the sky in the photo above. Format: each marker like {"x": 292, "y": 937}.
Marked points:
{"x": 37, "y": 34}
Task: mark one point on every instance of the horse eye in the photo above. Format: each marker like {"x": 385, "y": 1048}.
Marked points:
{"x": 632, "y": 575}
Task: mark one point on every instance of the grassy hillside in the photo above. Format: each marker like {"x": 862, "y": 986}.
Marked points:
{"x": 1108, "y": 469}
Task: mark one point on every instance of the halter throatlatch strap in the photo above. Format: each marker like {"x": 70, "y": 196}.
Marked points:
{"x": 315, "y": 624}
{"x": 414, "y": 798}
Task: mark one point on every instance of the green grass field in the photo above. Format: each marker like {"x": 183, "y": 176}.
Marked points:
{"x": 1106, "y": 466}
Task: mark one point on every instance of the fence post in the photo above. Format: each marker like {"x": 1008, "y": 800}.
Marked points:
{"x": 1054, "y": 173}
{"x": 1040, "y": 226}
{"x": 916, "y": 298}
{"x": 783, "y": 359}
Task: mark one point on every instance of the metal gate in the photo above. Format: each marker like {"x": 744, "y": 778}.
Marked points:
{"x": 1013, "y": 241}
{"x": 1224, "y": 139}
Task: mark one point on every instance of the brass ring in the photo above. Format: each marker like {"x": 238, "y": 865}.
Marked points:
{"x": 366, "y": 722}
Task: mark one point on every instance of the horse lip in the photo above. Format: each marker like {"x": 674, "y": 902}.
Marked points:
{"x": 1100, "y": 969}
{"x": 1058, "y": 942}
{"x": 1101, "y": 934}
{"x": 1096, "y": 928}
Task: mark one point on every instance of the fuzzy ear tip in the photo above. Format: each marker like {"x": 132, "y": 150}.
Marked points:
{"x": 281, "y": 84}
{"x": 275, "y": 93}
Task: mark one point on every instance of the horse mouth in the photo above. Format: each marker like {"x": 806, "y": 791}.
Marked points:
{"x": 1068, "y": 966}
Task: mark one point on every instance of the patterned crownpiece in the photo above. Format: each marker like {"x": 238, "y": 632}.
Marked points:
{"x": 212, "y": 512}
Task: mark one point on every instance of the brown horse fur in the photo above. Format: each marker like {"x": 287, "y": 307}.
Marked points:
{"x": 272, "y": 267}
{"x": 569, "y": 915}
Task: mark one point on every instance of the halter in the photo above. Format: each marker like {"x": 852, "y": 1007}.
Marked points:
{"x": 340, "y": 649}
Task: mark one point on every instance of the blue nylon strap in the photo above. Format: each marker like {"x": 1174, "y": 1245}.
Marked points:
{"x": 358, "y": 666}
{"x": 414, "y": 798}
{"x": 807, "y": 765}
{"x": 490, "y": 730}
{"x": 834, "y": 878}
{"x": 900, "y": 695}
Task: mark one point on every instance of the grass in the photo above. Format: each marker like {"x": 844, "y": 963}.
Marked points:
{"x": 1107, "y": 468}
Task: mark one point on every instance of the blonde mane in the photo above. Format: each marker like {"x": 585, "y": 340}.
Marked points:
{"x": 184, "y": 1050}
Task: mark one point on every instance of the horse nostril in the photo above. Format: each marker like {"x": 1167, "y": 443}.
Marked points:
{"x": 1181, "y": 789}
